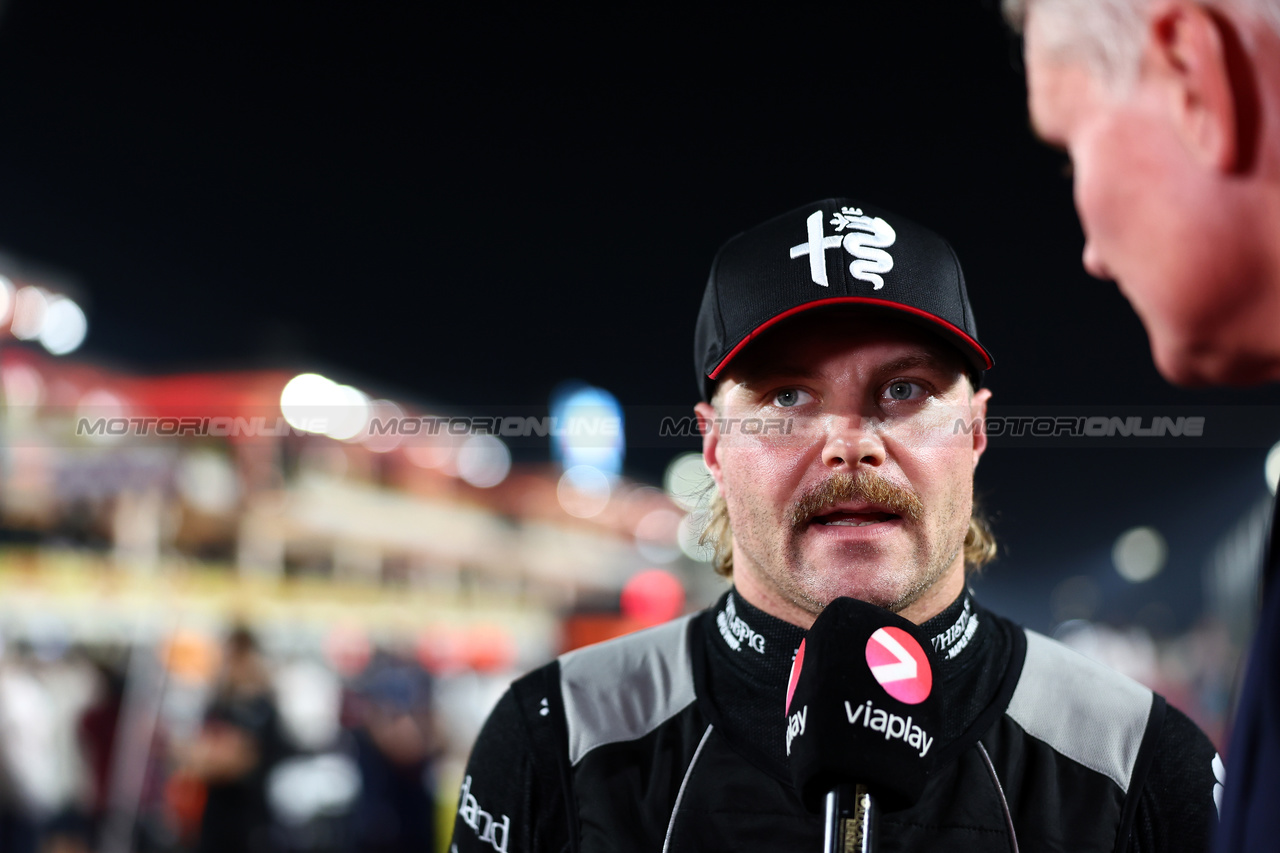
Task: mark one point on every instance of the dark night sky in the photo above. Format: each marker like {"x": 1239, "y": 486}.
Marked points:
{"x": 467, "y": 205}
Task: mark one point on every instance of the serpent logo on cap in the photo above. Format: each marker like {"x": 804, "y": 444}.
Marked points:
{"x": 866, "y": 239}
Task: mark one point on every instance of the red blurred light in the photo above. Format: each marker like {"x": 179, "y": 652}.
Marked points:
{"x": 653, "y": 596}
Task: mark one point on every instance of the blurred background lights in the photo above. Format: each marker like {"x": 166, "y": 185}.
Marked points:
{"x": 191, "y": 656}
{"x": 303, "y": 399}
{"x": 1272, "y": 467}
{"x": 583, "y": 491}
{"x": 208, "y": 482}
{"x": 382, "y": 434}
{"x": 652, "y": 596}
{"x": 431, "y": 451}
{"x": 687, "y": 481}
{"x": 1139, "y": 554}
{"x": 6, "y": 299}
{"x": 656, "y": 535}
{"x": 100, "y": 403}
{"x": 349, "y": 414}
{"x": 29, "y": 307}
{"x": 64, "y": 326}
{"x": 484, "y": 461}
{"x": 23, "y": 386}
{"x": 588, "y": 428}
{"x": 312, "y": 403}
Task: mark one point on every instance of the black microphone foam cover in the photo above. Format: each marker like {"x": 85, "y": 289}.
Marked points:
{"x": 861, "y": 707}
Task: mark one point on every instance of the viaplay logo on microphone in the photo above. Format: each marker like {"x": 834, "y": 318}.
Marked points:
{"x": 861, "y": 707}
{"x": 899, "y": 663}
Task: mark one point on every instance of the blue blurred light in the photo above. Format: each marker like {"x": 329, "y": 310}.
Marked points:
{"x": 588, "y": 428}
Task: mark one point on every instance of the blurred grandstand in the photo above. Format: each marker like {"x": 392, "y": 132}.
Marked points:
{"x": 144, "y": 517}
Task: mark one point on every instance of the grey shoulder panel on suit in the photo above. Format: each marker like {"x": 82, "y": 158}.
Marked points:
{"x": 625, "y": 688}
{"x": 1085, "y": 711}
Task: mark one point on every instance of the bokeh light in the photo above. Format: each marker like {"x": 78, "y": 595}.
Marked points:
{"x": 303, "y": 401}
{"x": 589, "y": 429}
{"x": 484, "y": 461}
{"x": 652, "y": 596}
{"x": 6, "y": 299}
{"x": 1271, "y": 469}
{"x": 1139, "y": 554}
{"x": 583, "y": 491}
{"x": 434, "y": 451}
{"x": 29, "y": 307}
{"x": 656, "y": 535}
{"x": 313, "y": 403}
{"x": 208, "y": 482}
{"x": 349, "y": 413}
{"x": 23, "y": 386}
{"x": 64, "y": 327}
{"x": 381, "y": 434}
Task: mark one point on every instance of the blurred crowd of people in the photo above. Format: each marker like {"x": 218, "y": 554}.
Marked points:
{"x": 115, "y": 750}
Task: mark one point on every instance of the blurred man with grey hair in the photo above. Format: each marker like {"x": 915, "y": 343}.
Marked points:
{"x": 1170, "y": 112}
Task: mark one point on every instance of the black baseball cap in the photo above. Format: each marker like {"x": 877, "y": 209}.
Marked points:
{"x": 868, "y": 257}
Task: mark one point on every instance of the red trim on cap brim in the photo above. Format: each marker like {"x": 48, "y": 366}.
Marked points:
{"x": 859, "y": 300}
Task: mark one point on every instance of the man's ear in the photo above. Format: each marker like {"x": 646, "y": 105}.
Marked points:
{"x": 1192, "y": 50}
{"x": 978, "y": 416}
{"x": 708, "y": 425}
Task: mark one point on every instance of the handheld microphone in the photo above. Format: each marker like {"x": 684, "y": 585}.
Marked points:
{"x": 862, "y": 719}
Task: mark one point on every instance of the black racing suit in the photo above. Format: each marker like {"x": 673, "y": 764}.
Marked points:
{"x": 673, "y": 739}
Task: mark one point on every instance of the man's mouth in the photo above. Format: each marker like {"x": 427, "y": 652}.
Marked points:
{"x": 854, "y": 500}
{"x": 853, "y": 519}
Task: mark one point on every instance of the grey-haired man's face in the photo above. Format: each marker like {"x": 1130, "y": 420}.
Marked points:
{"x": 1156, "y": 212}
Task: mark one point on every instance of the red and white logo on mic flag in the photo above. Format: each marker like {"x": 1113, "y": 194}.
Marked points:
{"x": 899, "y": 663}
{"x": 797, "y": 663}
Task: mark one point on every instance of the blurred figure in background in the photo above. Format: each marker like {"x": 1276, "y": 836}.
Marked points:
{"x": 396, "y": 739}
{"x": 44, "y": 690}
{"x": 97, "y": 729}
{"x": 239, "y": 744}
{"x": 25, "y": 736}
{"x": 1170, "y": 112}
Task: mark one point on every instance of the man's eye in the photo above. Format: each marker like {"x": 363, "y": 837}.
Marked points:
{"x": 790, "y": 397}
{"x": 902, "y": 390}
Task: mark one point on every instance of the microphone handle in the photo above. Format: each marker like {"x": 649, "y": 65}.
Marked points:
{"x": 852, "y": 818}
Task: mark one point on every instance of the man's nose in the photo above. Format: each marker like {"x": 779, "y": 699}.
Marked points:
{"x": 1093, "y": 263}
{"x": 852, "y": 441}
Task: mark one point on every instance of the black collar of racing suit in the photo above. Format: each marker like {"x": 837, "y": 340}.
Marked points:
{"x": 742, "y": 661}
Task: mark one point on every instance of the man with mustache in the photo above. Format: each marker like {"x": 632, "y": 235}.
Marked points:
{"x": 1170, "y": 112}
{"x": 841, "y": 376}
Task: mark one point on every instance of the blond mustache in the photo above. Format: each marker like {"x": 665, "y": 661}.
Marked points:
{"x": 864, "y": 487}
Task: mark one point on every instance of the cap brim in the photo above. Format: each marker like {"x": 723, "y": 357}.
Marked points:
{"x": 973, "y": 351}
